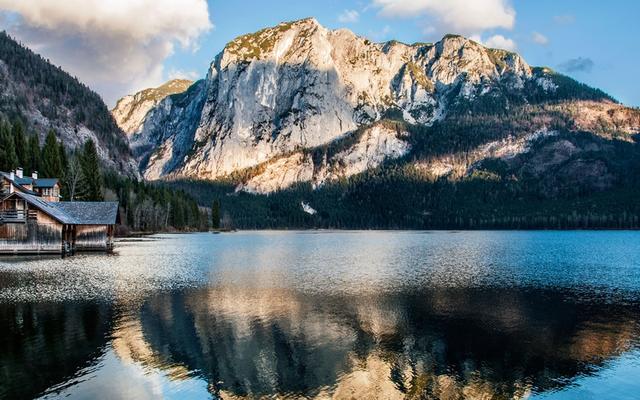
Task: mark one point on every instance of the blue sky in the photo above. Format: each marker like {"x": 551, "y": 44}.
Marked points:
{"x": 593, "y": 41}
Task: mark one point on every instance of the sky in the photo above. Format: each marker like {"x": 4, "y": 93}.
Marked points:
{"x": 118, "y": 47}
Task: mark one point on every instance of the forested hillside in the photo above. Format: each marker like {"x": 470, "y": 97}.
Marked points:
{"x": 144, "y": 207}
{"x": 458, "y": 175}
{"x": 44, "y": 97}
{"x": 53, "y": 124}
{"x": 301, "y": 126}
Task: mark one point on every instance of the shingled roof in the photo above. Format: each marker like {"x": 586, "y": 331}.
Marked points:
{"x": 36, "y": 183}
{"x": 89, "y": 212}
{"x": 45, "y": 182}
{"x": 16, "y": 183}
{"x": 74, "y": 212}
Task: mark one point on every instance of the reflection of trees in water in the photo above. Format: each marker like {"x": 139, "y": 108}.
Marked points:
{"x": 245, "y": 342}
{"x": 443, "y": 344}
{"x": 45, "y": 344}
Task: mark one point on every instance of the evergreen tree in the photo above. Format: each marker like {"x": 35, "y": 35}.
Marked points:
{"x": 215, "y": 214}
{"x": 90, "y": 167}
{"x": 8, "y": 157}
{"x": 33, "y": 164}
{"x": 64, "y": 163}
{"x": 51, "y": 163}
{"x": 20, "y": 143}
{"x": 64, "y": 160}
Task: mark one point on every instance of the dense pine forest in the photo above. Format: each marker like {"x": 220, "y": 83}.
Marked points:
{"x": 596, "y": 185}
{"x": 144, "y": 207}
{"x": 41, "y": 111}
{"x": 57, "y": 95}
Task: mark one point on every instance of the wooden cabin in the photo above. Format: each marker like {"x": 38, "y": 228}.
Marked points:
{"x": 36, "y": 222}
{"x": 47, "y": 188}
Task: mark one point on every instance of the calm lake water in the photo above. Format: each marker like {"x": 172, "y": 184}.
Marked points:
{"x": 450, "y": 315}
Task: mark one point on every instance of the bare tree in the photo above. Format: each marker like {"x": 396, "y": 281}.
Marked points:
{"x": 73, "y": 176}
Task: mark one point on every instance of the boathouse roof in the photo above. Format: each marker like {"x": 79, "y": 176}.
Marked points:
{"x": 90, "y": 212}
{"x": 74, "y": 212}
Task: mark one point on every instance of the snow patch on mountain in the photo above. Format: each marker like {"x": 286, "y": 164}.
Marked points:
{"x": 307, "y": 208}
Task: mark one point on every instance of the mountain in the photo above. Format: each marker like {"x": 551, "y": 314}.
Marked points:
{"x": 130, "y": 111}
{"x": 297, "y": 86}
{"x": 393, "y": 135}
{"x": 46, "y": 97}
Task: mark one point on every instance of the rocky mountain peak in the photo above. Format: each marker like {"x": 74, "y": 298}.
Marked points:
{"x": 454, "y": 55}
{"x": 131, "y": 111}
{"x": 272, "y": 43}
{"x": 275, "y": 95}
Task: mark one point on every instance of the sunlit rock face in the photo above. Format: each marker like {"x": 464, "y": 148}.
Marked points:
{"x": 299, "y": 86}
{"x": 368, "y": 150}
{"x": 131, "y": 111}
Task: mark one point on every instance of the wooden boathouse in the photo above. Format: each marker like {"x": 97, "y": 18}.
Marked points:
{"x": 34, "y": 221}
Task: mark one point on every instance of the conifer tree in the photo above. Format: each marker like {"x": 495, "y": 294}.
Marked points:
{"x": 33, "y": 164}
{"x": 20, "y": 144}
{"x": 90, "y": 166}
{"x": 215, "y": 214}
{"x": 8, "y": 158}
{"x": 64, "y": 163}
{"x": 51, "y": 163}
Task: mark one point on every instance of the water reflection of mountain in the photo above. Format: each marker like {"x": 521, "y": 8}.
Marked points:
{"x": 439, "y": 343}
{"x": 44, "y": 344}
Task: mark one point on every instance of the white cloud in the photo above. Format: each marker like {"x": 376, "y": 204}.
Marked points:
{"x": 428, "y": 30}
{"x": 566, "y": 19}
{"x": 116, "y": 46}
{"x": 539, "y": 38}
{"x": 349, "y": 17}
{"x": 500, "y": 42}
{"x": 454, "y": 16}
{"x": 180, "y": 74}
{"x": 381, "y": 34}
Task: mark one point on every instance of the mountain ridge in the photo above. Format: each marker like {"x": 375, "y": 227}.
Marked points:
{"x": 388, "y": 135}
{"x": 299, "y": 86}
{"x": 130, "y": 111}
{"x": 46, "y": 97}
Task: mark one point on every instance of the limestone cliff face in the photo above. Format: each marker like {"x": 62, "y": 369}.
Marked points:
{"x": 300, "y": 85}
{"x": 131, "y": 111}
{"x": 272, "y": 96}
{"x": 372, "y": 146}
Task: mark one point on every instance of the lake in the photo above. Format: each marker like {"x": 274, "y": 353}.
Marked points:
{"x": 446, "y": 315}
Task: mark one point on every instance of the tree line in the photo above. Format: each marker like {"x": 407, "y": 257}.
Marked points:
{"x": 153, "y": 207}
{"x": 144, "y": 207}
{"x": 54, "y": 93}
{"x": 79, "y": 171}
{"x": 596, "y": 186}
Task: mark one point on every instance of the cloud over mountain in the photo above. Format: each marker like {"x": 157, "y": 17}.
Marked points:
{"x": 454, "y": 16}
{"x": 349, "y": 16}
{"x": 539, "y": 38}
{"x": 116, "y": 46}
{"x": 580, "y": 64}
